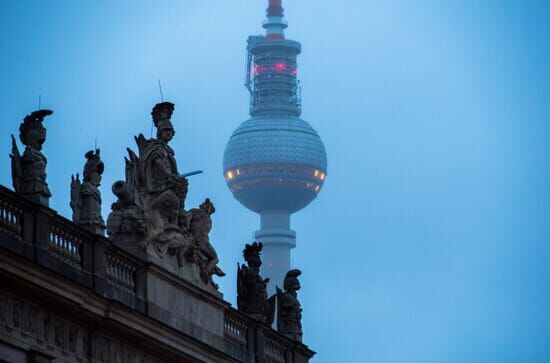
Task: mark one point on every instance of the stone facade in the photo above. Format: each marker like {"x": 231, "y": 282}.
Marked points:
{"x": 146, "y": 294}
{"x": 71, "y": 295}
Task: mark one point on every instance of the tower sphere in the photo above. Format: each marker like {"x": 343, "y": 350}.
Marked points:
{"x": 275, "y": 163}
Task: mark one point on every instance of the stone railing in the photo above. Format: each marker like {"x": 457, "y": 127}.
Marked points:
{"x": 52, "y": 242}
{"x": 64, "y": 246}
{"x": 249, "y": 340}
{"x": 10, "y": 218}
{"x": 236, "y": 335}
{"x": 275, "y": 350}
{"x": 121, "y": 273}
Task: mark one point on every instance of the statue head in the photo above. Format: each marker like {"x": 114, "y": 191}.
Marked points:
{"x": 207, "y": 206}
{"x": 93, "y": 168}
{"x": 122, "y": 190}
{"x": 291, "y": 280}
{"x": 32, "y": 132}
{"x": 252, "y": 254}
{"x": 162, "y": 113}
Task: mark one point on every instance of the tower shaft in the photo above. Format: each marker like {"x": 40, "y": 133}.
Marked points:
{"x": 278, "y": 240}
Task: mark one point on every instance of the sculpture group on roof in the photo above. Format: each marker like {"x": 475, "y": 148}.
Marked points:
{"x": 149, "y": 217}
{"x": 150, "y": 212}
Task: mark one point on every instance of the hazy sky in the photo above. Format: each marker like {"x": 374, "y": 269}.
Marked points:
{"x": 430, "y": 239}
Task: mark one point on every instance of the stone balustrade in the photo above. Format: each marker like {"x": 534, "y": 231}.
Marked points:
{"x": 64, "y": 246}
{"x": 121, "y": 273}
{"x": 10, "y": 218}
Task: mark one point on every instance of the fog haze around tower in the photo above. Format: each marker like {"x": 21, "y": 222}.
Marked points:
{"x": 429, "y": 240}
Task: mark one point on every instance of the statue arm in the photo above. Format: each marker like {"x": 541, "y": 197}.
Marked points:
{"x": 75, "y": 191}
{"x": 16, "y": 167}
{"x": 14, "y": 149}
{"x": 86, "y": 191}
{"x": 240, "y": 288}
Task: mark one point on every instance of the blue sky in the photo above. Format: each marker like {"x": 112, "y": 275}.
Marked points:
{"x": 430, "y": 239}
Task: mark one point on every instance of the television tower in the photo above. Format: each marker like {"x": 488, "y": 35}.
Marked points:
{"x": 274, "y": 163}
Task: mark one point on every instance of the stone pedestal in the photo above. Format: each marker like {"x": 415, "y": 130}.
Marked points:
{"x": 184, "y": 306}
{"x": 178, "y": 297}
{"x": 38, "y": 199}
{"x": 190, "y": 272}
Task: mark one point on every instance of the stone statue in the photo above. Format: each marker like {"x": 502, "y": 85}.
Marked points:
{"x": 200, "y": 225}
{"x": 162, "y": 190}
{"x": 289, "y": 311}
{"x": 126, "y": 224}
{"x": 251, "y": 287}
{"x": 29, "y": 170}
{"x": 86, "y": 197}
{"x": 149, "y": 218}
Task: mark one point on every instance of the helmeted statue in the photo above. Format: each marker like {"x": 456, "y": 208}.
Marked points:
{"x": 200, "y": 224}
{"x": 150, "y": 212}
{"x": 29, "y": 169}
{"x": 86, "y": 197}
{"x": 157, "y": 165}
{"x": 161, "y": 188}
{"x": 289, "y": 310}
{"x": 251, "y": 287}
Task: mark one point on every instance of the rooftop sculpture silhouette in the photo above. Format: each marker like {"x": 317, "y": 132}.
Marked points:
{"x": 149, "y": 217}
{"x": 289, "y": 310}
{"x": 251, "y": 287}
{"x": 86, "y": 197}
{"x": 29, "y": 170}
